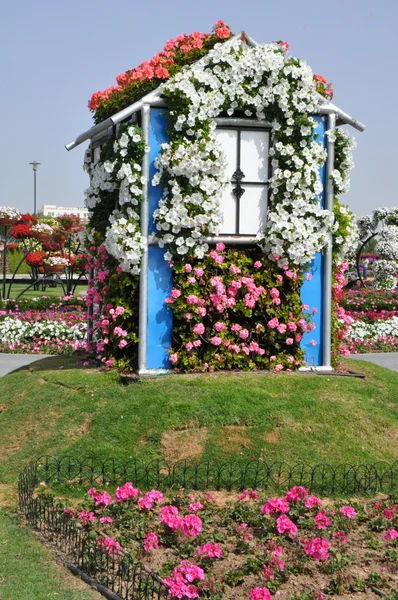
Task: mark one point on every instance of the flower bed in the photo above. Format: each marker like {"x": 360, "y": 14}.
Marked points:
{"x": 43, "y": 325}
{"x": 224, "y": 545}
{"x": 375, "y": 320}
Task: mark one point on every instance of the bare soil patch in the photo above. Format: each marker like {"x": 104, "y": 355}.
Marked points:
{"x": 184, "y": 444}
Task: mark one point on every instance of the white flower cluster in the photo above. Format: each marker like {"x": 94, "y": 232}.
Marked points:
{"x": 42, "y": 228}
{"x": 183, "y": 216}
{"x": 359, "y": 330}
{"x": 56, "y": 260}
{"x": 124, "y": 241}
{"x": 121, "y": 173}
{"x": 15, "y": 330}
{"x": 340, "y": 176}
{"x": 384, "y": 274}
{"x": 9, "y": 212}
{"x": 345, "y": 247}
{"x": 296, "y": 231}
{"x": 257, "y": 80}
{"x": 382, "y": 222}
{"x": 100, "y": 181}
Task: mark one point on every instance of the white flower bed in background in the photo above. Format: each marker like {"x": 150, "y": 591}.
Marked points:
{"x": 372, "y": 331}
{"x": 14, "y": 330}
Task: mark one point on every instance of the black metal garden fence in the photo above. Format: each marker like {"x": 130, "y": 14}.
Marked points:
{"x": 118, "y": 575}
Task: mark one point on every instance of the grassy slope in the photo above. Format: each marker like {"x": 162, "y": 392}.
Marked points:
{"x": 28, "y": 570}
{"x": 291, "y": 417}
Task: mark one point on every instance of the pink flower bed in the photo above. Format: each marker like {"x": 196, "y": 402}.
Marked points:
{"x": 233, "y": 546}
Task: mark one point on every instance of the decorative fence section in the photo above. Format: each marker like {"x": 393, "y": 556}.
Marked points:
{"x": 119, "y": 574}
{"x": 362, "y": 479}
{"x": 120, "y": 577}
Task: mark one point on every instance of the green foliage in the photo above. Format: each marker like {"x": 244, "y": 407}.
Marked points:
{"x": 14, "y": 257}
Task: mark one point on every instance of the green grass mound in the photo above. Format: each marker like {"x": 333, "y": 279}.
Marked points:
{"x": 59, "y": 407}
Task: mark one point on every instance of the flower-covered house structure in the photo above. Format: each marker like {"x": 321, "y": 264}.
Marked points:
{"x": 214, "y": 175}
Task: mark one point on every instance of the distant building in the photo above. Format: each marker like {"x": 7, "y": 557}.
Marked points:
{"x": 51, "y": 210}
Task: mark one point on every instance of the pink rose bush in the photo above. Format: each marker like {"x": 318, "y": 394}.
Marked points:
{"x": 211, "y": 313}
{"x": 246, "y": 545}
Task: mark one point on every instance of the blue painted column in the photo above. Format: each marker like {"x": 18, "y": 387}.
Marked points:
{"x": 312, "y": 291}
{"x": 160, "y": 279}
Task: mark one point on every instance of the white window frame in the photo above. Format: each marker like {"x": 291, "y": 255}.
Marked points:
{"x": 239, "y": 125}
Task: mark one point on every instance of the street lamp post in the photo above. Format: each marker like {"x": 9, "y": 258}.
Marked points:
{"x": 35, "y": 165}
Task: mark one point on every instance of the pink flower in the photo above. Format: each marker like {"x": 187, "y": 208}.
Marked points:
{"x": 318, "y": 548}
{"x": 195, "y": 506}
{"x": 219, "y": 326}
{"x": 85, "y": 517}
{"x": 188, "y": 268}
{"x": 391, "y": 534}
{"x": 340, "y": 537}
{"x": 234, "y": 269}
{"x": 274, "y": 506}
{"x": 260, "y": 593}
{"x": 312, "y": 502}
{"x": 251, "y": 494}
{"x": 126, "y": 491}
{"x": 191, "y": 525}
{"x": 244, "y": 334}
{"x": 273, "y": 323}
{"x": 106, "y": 520}
{"x": 122, "y": 344}
{"x": 220, "y": 247}
{"x": 308, "y": 276}
{"x": 284, "y": 524}
{"x": 348, "y": 512}
{"x": 169, "y": 516}
{"x": 216, "y": 341}
{"x": 321, "y": 520}
{"x": 173, "y": 358}
{"x": 289, "y": 341}
{"x": 282, "y": 328}
{"x": 109, "y": 544}
{"x": 198, "y": 272}
{"x": 151, "y": 541}
{"x": 296, "y": 493}
{"x": 192, "y": 299}
{"x": 312, "y": 342}
{"x": 189, "y": 346}
{"x": 187, "y": 316}
{"x": 178, "y": 587}
{"x": 191, "y": 280}
{"x": 258, "y": 264}
{"x": 175, "y": 293}
{"x": 211, "y": 550}
{"x": 199, "y": 328}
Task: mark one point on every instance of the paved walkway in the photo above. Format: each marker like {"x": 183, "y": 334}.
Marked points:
{"x": 11, "y": 362}
{"x": 389, "y": 360}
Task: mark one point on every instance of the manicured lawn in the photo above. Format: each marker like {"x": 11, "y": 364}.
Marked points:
{"x": 58, "y": 407}
{"x": 17, "y": 288}
{"x": 28, "y": 570}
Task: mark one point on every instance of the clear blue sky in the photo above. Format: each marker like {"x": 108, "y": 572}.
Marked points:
{"x": 54, "y": 55}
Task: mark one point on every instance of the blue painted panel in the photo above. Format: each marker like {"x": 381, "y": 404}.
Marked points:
{"x": 160, "y": 279}
{"x": 160, "y": 321}
{"x": 157, "y": 136}
{"x": 312, "y": 291}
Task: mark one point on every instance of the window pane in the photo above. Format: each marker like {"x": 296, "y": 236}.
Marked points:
{"x": 253, "y": 209}
{"x": 228, "y": 207}
{"x": 227, "y": 138}
{"x": 254, "y": 155}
